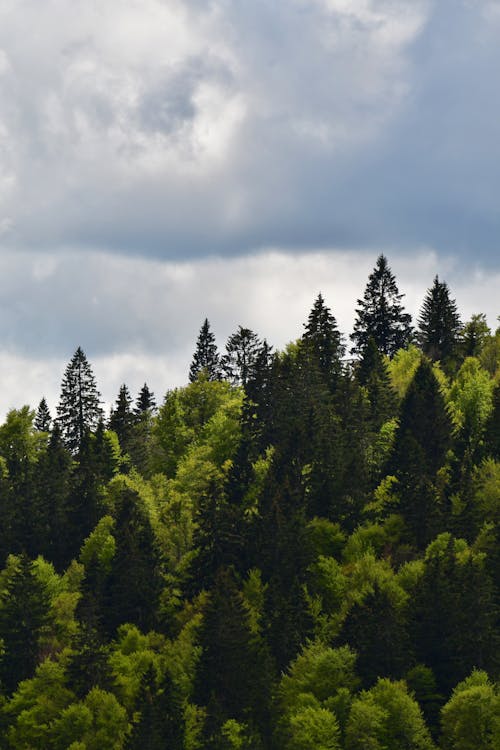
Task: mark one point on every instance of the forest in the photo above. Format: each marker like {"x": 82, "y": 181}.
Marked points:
{"x": 298, "y": 550}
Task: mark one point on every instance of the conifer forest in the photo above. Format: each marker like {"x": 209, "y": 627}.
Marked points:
{"x": 298, "y": 550}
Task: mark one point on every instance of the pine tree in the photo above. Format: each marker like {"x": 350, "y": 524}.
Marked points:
{"x": 145, "y": 401}
{"x": 134, "y": 581}
{"x": 161, "y": 718}
{"x": 233, "y": 677}
{"x": 371, "y": 373}
{"x": 24, "y": 612}
{"x": 42, "y": 419}
{"x": 380, "y": 314}
{"x": 79, "y": 407}
{"x": 206, "y": 357}
{"x": 439, "y": 324}
{"x": 53, "y": 482}
{"x": 242, "y": 349}
{"x": 421, "y": 444}
{"x": 122, "y": 418}
{"x": 323, "y": 341}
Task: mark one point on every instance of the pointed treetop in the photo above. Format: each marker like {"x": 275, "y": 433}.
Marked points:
{"x": 42, "y": 419}
{"x": 145, "y": 401}
{"x": 243, "y": 348}
{"x": 79, "y": 408}
{"x": 322, "y": 337}
{"x": 380, "y": 313}
{"x": 206, "y": 358}
{"x": 439, "y": 323}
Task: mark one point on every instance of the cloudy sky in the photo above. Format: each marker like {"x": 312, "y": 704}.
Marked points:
{"x": 166, "y": 160}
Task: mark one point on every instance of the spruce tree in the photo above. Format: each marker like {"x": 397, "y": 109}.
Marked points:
{"x": 24, "y": 613}
{"x": 380, "y": 314}
{"x": 206, "y": 357}
{"x": 161, "y": 718}
{"x": 79, "y": 408}
{"x": 439, "y": 324}
{"x": 323, "y": 341}
{"x": 242, "y": 355}
{"x": 122, "y": 418}
{"x": 42, "y": 419}
{"x": 145, "y": 401}
{"x": 422, "y": 440}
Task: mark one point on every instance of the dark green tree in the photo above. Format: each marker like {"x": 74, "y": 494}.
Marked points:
{"x": 52, "y": 487}
{"x": 145, "y": 401}
{"x": 242, "y": 352}
{"x": 161, "y": 718}
{"x": 122, "y": 418}
{"x": 439, "y": 324}
{"x": 323, "y": 341}
{"x": 134, "y": 582}
{"x": 371, "y": 373}
{"x": 491, "y": 445}
{"x": 206, "y": 356}
{"x": 422, "y": 440}
{"x": 24, "y": 613}
{"x": 79, "y": 408}
{"x": 43, "y": 419}
{"x": 233, "y": 679}
{"x": 380, "y": 314}
{"x": 376, "y": 629}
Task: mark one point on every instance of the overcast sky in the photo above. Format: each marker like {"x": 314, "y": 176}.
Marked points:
{"x": 166, "y": 160}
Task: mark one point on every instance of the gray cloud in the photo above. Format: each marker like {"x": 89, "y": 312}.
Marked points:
{"x": 180, "y": 129}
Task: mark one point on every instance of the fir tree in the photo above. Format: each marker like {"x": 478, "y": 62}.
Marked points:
{"x": 53, "y": 483}
{"x": 161, "y": 718}
{"x": 122, "y": 418}
{"x": 42, "y": 419}
{"x": 323, "y": 341}
{"x": 79, "y": 407}
{"x": 233, "y": 677}
{"x": 206, "y": 357}
{"x": 371, "y": 373}
{"x": 24, "y": 613}
{"x": 145, "y": 401}
{"x": 134, "y": 581}
{"x": 421, "y": 444}
{"x": 242, "y": 349}
{"x": 439, "y": 324}
{"x": 380, "y": 314}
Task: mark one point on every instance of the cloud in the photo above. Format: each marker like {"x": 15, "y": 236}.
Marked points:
{"x": 179, "y": 129}
{"x": 138, "y": 319}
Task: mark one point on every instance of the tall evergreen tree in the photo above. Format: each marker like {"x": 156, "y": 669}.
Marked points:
{"x": 42, "y": 419}
{"x": 206, "y": 358}
{"x": 122, "y": 418}
{"x": 24, "y": 612}
{"x": 233, "y": 679}
{"x": 323, "y": 341}
{"x": 439, "y": 324}
{"x": 242, "y": 349}
{"x": 422, "y": 441}
{"x": 380, "y": 314}
{"x": 161, "y": 718}
{"x": 134, "y": 580}
{"x": 79, "y": 408}
{"x": 145, "y": 401}
{"x": 52, "y": 486}
{"x": 371, "y": 373}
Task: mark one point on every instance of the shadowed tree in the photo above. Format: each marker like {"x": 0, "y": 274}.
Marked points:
{"x": 79, "y": 408}
{"x": 43, "y": 419}
{"x": 439, "y": 324}
{"x": 380, "y": 314}
{"x": 323, "y": 341}
{"x": 206, "y": 358}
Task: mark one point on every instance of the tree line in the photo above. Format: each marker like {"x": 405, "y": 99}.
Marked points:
{"x": 297, "y": 550}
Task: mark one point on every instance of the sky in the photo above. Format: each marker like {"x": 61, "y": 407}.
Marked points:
{"x": 163, "y": 161}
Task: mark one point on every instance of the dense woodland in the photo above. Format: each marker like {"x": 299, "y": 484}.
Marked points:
{"x": 298, "y": 550}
